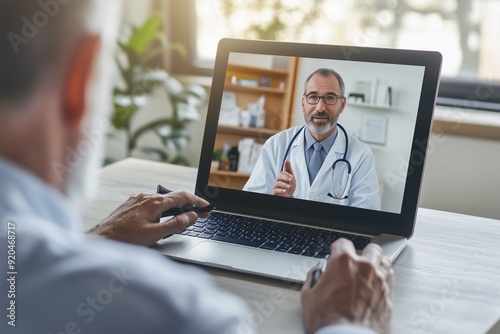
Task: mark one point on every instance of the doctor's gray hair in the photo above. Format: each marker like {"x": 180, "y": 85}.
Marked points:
{"x": 36, "y": 36}
{"x": 326, "y": 72}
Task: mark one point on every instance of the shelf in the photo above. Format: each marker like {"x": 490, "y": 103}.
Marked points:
{"x": 244, "y": 131}
{"x": 255, "y": 90}
{"x": 277, "y": 86}
{"x": 258, "y": 70}
{"x": 368, "y": 105}
{"x": 229, "y": 173}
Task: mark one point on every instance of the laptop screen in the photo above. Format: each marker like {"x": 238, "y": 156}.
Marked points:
{"x": 271, "y": 103}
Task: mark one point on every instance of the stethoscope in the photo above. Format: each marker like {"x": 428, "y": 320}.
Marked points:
{"x": 343, "y": 160}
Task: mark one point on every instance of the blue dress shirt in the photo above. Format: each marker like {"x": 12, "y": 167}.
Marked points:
{"x": 67, "y": 282}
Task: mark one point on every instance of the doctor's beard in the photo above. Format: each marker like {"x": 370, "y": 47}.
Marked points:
{"x": 322, "y": 127}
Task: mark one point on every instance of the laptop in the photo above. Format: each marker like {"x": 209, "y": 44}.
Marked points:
{"x": 256, "y": 94}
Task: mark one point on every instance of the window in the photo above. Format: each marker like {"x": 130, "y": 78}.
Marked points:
{"x": 465, "y": 32}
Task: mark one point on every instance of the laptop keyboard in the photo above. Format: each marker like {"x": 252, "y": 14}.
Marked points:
{"x": 265, "y": 234}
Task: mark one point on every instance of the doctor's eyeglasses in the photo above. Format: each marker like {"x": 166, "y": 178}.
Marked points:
{"x": 329, "y": 99}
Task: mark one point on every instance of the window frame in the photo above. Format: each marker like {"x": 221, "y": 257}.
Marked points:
{"x": 453, "y": 92}
{"x": 181, "y": 16}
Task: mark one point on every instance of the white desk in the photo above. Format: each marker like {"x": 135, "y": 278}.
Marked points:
{"x": 447, "y": 278}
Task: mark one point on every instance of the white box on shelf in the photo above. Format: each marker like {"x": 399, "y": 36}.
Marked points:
{"x": 249, "y": 154}
{"x": 229, "y": 111}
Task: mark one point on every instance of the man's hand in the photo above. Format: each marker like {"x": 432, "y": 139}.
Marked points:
{"x": 353, "y": 290}
{"x": 137, "y": 220}
{"x": 285, "y": 182}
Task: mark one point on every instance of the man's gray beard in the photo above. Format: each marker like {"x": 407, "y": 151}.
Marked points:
{"x": 319, "y": 129}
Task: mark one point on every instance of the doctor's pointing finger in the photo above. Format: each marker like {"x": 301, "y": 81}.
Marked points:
{"x": 285, "y": 182}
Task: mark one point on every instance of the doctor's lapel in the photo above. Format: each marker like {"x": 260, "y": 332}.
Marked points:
{"x": 299, "y": 162}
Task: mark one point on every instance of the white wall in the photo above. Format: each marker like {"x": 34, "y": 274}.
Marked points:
{"x": 136, "y": 11}
{"x": 462, "y": 174}
{"x": 406, "y": 82}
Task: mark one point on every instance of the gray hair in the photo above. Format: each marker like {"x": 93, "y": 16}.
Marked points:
{"x": 325, "y": 72}
{"x": 35, "y": 36}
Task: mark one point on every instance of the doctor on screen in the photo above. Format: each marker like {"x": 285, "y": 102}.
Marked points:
{"x": 319, "y": 161}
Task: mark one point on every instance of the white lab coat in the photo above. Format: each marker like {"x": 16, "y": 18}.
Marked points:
{"x": 362, "y": 188}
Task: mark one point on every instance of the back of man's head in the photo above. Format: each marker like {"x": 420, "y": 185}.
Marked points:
{"x": 55, "y": 85}
{"x": 35, "y": 35}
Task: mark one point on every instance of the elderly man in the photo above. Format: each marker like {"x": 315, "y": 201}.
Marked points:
{"x": 54, "y": 90}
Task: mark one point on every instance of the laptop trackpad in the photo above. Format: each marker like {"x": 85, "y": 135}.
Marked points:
{"x": 246, "y": 259}
{"x": 224, "y": 254}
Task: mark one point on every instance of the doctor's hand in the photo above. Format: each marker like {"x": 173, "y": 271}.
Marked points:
{"x": 285, "y": 182}
{"x": 353, "y": 290}
{"x": 137, "y": 221}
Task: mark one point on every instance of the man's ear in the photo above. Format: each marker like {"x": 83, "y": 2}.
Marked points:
{"x": 343, "y": 103}
{"x": 78, "y": 77}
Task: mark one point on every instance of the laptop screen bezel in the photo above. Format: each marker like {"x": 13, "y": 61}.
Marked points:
{"x": 309, "y": 212}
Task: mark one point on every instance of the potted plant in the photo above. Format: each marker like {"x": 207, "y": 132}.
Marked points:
{"x": 139, "y": 47}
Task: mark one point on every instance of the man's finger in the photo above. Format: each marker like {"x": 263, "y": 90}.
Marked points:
{"x": 387, "y": 265}
{"x": 284, "y": 176}
{"x": 373, "y": 253}
{"x": 307, "y": 283}
{"x": 176, "y": 224}
{"x": 282, "y": 185}
{"x": 288, "y": 167}
{"x": 342, "y": 246}
{"x": 178, "y": 199}
{"x": 342, "y": 250}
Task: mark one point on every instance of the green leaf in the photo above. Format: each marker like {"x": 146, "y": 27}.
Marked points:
{"x": 146, "y": 34}
{"x": 164, "y": 131}
{"x": 173, "y": 87}
{"x": 197, "y": 91}
{"x": 179, "y": 47}
{"x": 122, "y": 115}
{"x": 187, "y": 112}
{"x": 132, "y": 56}
{"x": 155, "y": 77}
{"x": 175, "y": 140}
{"x": 108, "y": 161}
{"x": 170, "y": 145}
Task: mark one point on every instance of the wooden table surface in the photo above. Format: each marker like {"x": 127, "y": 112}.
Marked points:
{"x": 447, "y": 278}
